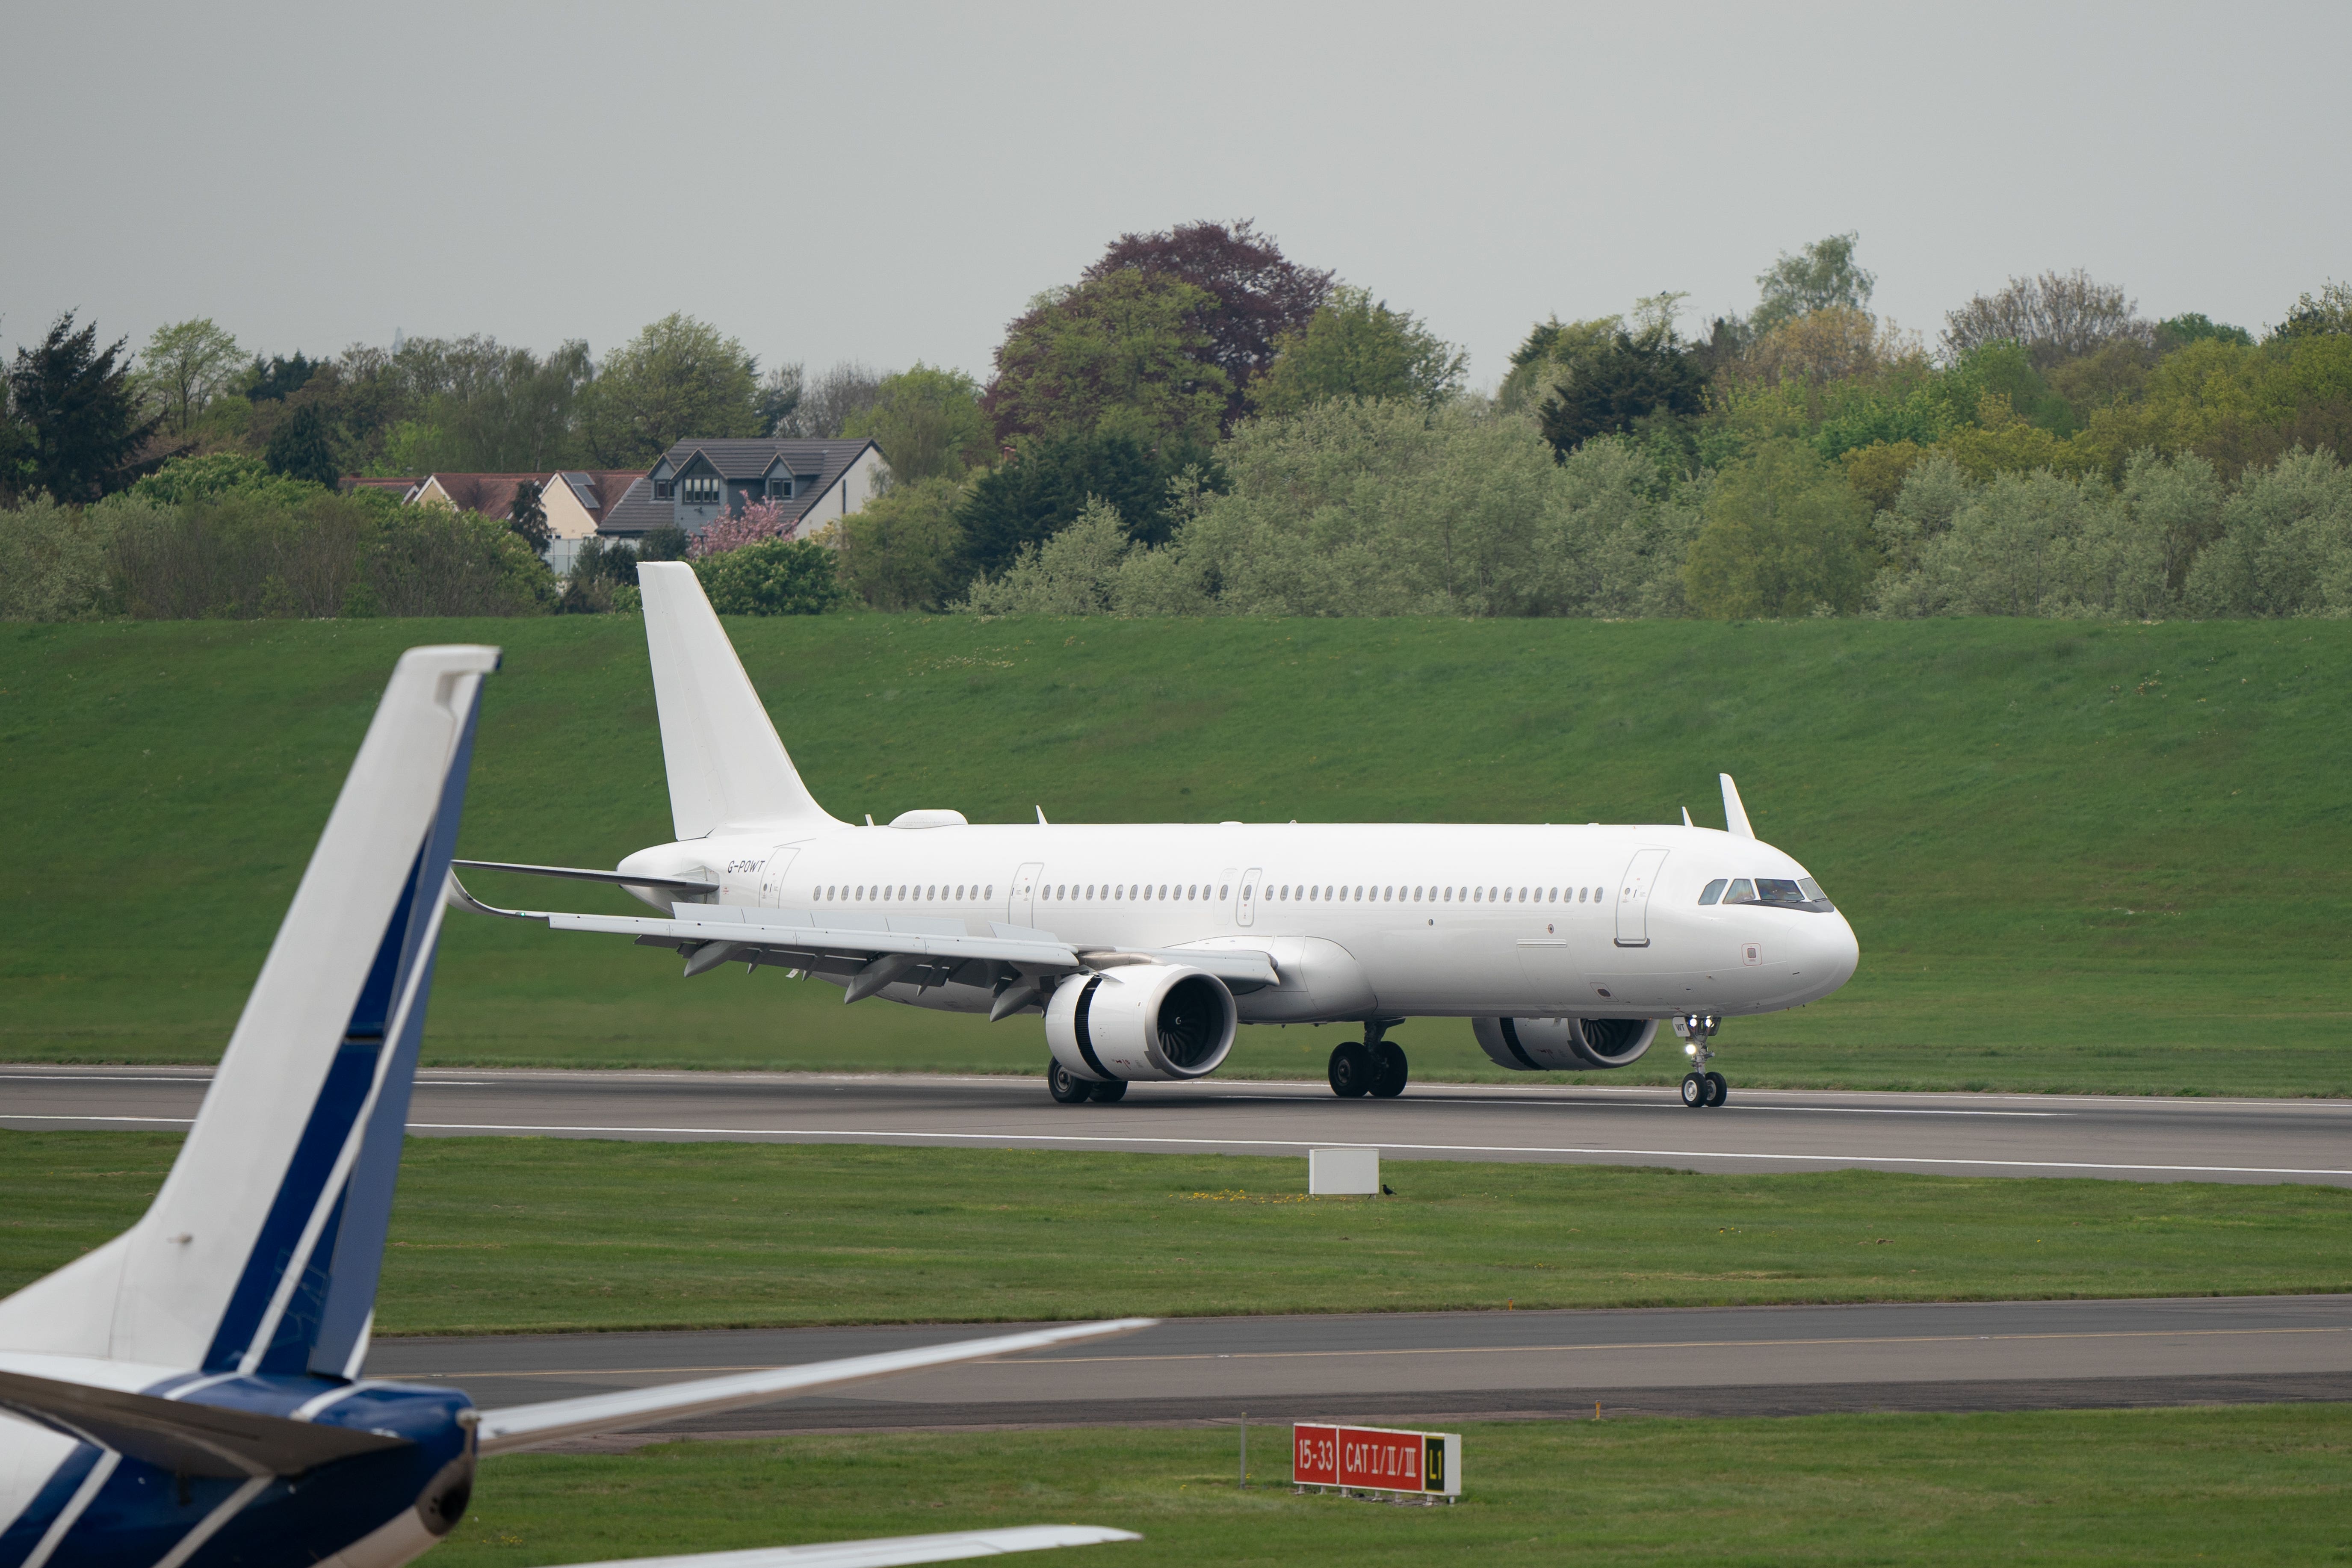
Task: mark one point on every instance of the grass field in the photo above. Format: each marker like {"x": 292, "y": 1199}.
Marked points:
{"x": 2078, "y": 856}
{"x": 501, "y": 1234}
{"x": 2251, "y": 1486}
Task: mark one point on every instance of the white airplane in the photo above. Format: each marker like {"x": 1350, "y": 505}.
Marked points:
{"x": 1145, "y": 945}
{"x": 190, "y": 1394}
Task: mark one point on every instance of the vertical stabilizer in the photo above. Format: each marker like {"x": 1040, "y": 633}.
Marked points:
{"x": 727, "y": 768}
{"x": 261, "y": 1251}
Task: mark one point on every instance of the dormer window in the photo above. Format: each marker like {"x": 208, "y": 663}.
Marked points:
{"x": 780, "y": 487}
{"x": 663, "y": 489}
{"x": 702, "y": 490}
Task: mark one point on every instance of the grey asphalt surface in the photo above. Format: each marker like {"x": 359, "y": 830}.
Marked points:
{"x": 2120, "y": 1137}
{"x": 1473, "y": 1365}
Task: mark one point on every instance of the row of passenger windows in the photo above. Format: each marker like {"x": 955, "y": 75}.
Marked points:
{"x": 905, "y": 893}
{"x": 1762, "y": 891}
{"x": 1308, "y": 893}
{"x": 1302, "y": 892}
{"x": 1194, "y": 892}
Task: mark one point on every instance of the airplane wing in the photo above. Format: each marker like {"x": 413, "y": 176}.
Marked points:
{"x": 866, "y": 950}
{"x": 886, "y": 1552}
{"x": 523, "y": 1425}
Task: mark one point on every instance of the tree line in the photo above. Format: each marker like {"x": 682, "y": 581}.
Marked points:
{"x": 1198, "y": 425}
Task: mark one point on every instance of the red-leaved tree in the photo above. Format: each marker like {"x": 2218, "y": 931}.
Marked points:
{"x": 758, "y": 521}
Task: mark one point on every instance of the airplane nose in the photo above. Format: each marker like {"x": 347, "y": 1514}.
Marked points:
{"x": 1843, "y": 953}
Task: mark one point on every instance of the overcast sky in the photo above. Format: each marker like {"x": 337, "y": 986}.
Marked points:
{"x": 891, "y": 183}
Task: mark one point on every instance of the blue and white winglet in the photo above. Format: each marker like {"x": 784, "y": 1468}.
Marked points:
{"x": 190, "y": 1394}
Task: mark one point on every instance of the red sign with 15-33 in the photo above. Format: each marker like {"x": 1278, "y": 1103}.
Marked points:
{"x": 1376, "y": 1458}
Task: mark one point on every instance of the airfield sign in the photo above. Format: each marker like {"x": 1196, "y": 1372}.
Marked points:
{"x": 1376, "y": 1458}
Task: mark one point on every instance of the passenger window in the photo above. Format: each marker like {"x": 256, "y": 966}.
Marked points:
{"x": 1743, "y": 891}
{"x": 1713, "y": 892}
{"x": 1224, "y": 890}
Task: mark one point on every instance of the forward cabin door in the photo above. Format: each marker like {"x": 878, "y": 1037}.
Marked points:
{"x": 1633, "y": 897}
{"x": 772, "y": 877}
{"x": 1023, "y": 911}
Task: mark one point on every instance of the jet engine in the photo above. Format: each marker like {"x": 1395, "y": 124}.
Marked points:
{"x": 1149, "y": 1021}
{"x": 1563, "y": 1045}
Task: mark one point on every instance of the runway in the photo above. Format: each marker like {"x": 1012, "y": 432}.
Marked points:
{"x": 2120, "y": 1137}
{"x": 1461, "y": 1366}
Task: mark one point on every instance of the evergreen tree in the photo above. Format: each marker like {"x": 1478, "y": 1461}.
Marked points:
{"x": 302, "y": 446}
{"x": 79, "y": 415}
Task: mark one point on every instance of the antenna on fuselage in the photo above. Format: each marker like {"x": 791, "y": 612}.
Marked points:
{"x": 1041, "y": 819}
{"x": 1686, "y": 821}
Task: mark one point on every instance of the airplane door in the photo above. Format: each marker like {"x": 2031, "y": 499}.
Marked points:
{"x": 772, "y": 876}
{"x": 1225, "y": 897}
{"x": 1023, "y": 911}
{"x": 1245, "y": 912}
{"x": 1633, "y": 897}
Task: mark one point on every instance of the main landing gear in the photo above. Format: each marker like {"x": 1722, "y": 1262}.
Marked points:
{"x": 1701, "y": 1087}
{"x": 1375, "y": 1067}
{"x": 1068, "y": 1089}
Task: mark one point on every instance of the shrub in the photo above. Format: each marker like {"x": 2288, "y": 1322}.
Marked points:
{"x": 777, "y": 577}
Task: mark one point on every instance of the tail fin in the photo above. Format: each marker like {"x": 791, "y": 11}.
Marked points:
{"x": 262, "y": 1249}
{"x": 727, "y": 768}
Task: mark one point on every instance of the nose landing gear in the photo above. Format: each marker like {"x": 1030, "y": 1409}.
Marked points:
{"x": 1701, "y": 1087}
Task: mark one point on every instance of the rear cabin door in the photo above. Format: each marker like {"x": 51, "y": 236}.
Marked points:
{"x": 772, "y": 877}
{"x": 1633, "y": 897}
{"x": 1023, "y": 911}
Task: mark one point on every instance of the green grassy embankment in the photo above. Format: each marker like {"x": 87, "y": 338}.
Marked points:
{"x": 523, "y": 1235}
{"x": 2078, "y": 856}
{"x": 2255, "y": 1484}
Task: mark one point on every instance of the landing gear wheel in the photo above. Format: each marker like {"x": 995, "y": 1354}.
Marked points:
{"x": 1067, "y": 1086}
{"x": 1389, "y": 1070}
{"x": 1722, "y": 1090}
{"x": 1352, "y": 1071}
{"x": 1111, "y": 1093}
{"x": 1697, "y": 1091}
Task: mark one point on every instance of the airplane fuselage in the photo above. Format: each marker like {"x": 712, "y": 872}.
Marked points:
{"x": 1364, "y": 920}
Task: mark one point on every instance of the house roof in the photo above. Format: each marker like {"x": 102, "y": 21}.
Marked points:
{"x": 374, "y": 483}
{"x": 748, "y": 459}
{"x": 817, "y": 467}
{"x": 490, "y": 494}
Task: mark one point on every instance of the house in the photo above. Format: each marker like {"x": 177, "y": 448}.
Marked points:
{"x": 576, "y": 501}
{"x": 699, "y": 481}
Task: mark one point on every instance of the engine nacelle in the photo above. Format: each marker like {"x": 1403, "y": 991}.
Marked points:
{"x": 1148, "y": 1021}
{"x": 1563, "y": 1045}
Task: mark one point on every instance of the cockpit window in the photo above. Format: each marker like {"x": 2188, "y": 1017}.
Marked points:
{"x": 1813, "y": 891}
{"x": 1713, "y": 892}
{"x": 1777, "y": 890}
{"x": 1797, "y": 893}
{"x": 1743, "y": 891}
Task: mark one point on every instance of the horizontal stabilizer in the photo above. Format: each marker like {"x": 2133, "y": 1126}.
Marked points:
{"x": 886, "y": 1551}
{"x": 190, "y": 1439}
{"x": 619, "y": 878}
{"x": 524, "y": 1425}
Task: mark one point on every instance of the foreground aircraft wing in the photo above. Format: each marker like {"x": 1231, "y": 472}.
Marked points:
{"x": 523, "y": 1425}
{"x": 886, "y": 1552}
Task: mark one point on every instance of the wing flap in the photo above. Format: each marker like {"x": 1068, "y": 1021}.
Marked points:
{"x": 886, "y": 1551}
{"x": 793, "y": 937}
{"x": 199, "y": 1439}
{"x": 523, "y": 1425}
